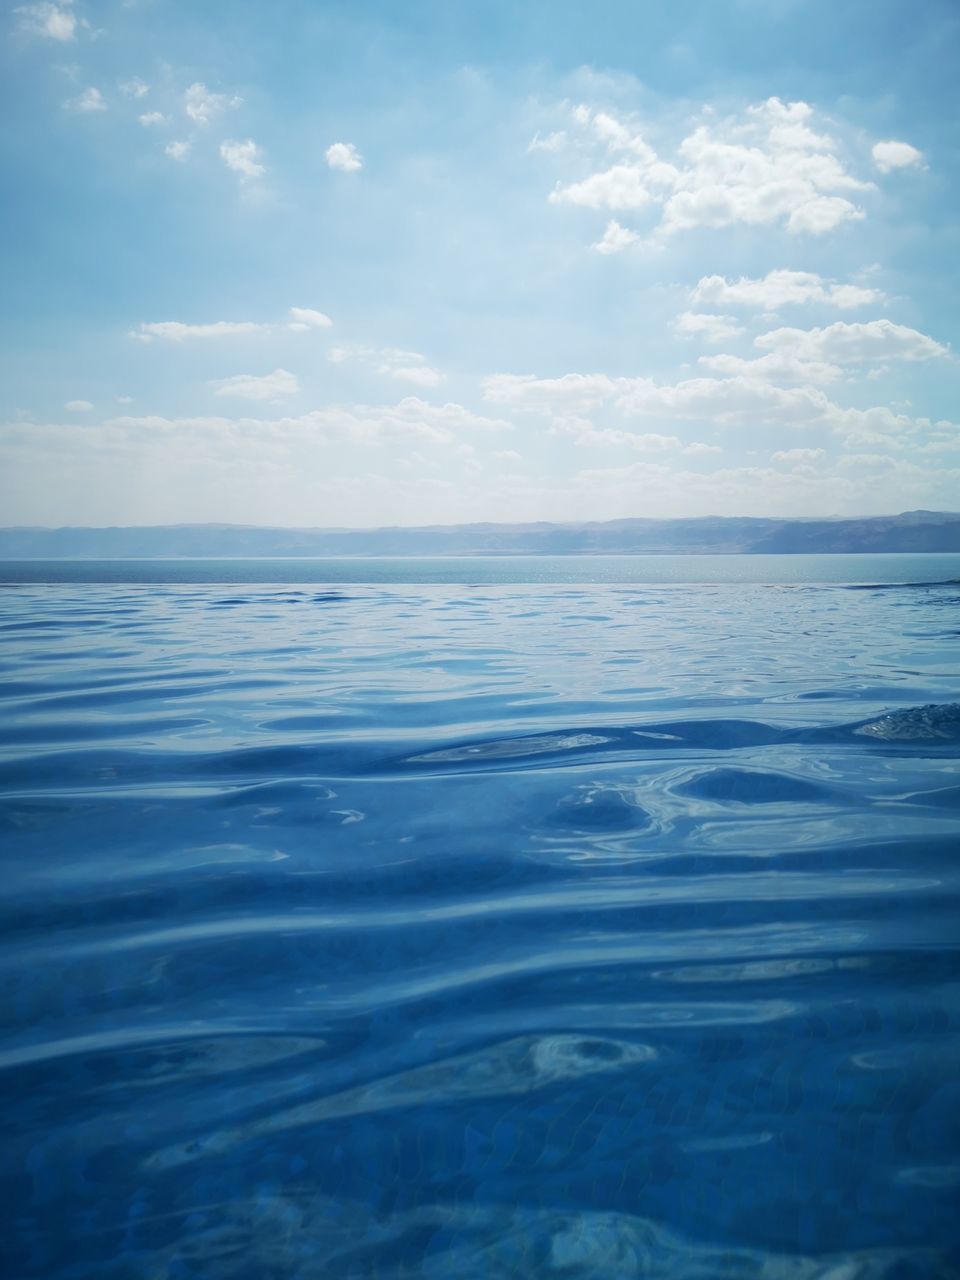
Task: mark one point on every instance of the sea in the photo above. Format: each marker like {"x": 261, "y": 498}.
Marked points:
{"x": 584, "y": 918}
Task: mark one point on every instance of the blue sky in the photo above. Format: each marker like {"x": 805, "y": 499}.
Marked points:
{"x": 397, "y": 263}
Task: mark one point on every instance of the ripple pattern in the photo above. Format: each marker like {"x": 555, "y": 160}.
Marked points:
{"x": 484, "y": 931}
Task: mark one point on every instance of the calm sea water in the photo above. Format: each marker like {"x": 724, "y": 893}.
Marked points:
{"x": 497, "y": 570}
{"x": 495, "y": 927}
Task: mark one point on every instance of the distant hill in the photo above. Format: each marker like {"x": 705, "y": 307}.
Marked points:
{"x": 910, "y": 531}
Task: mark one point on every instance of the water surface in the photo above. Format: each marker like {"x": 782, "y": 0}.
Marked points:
{"x": 527, "y": 929}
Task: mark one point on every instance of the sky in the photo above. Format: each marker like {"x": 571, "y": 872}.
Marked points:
{"x": 356, "y": 263}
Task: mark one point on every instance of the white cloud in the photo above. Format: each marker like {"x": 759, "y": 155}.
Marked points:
{"x": 842, "y": 343}
{"x": 615, "y": 238}
{"x": 574, "y": 391}
{"x": 712, "y": 328}
{"x": 869, "y": 461}
{"x": 348, "y": 351}
{"x": 801, "y": 457}
{"x": 735, "y": 401}
{"x": 303, "y": 318}
{"x": 243, "y": 158}
{"x": 699, "y": 448}
{"x": 55, "y": 21}
{"x": 177, "y": 150}
{"x": 895, "y": 155}
{"x": 780, "y": 288}
{"x": 89, "y": 100}
{"x": 176, "y": 331}
{"x": 583, "y": 433}
{"x": 776, "y": 366}
{"x": 619, "y": 137}
{"x": 124, "y": 399}
{"x": 134, "y": 88}
{"x": 740, "y": 400}
{"x": 151, "y": 118}
{"x": 552, "y": 142}
{"x": 343, "y": 156}
{"x": 766, "y": 166}
{"x": 202, "y": 106}
{"x": 78, "y": 406}
{"x": 406, "y": 366}
{"x": 620, "y": 187}
{"x": 246, "y": 386}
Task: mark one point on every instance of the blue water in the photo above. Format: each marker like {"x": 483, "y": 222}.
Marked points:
{"x": 497, "y": 570}
{"x": 520, "y": 929}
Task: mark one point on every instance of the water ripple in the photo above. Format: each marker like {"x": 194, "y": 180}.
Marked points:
{"x": 480, "y": 930}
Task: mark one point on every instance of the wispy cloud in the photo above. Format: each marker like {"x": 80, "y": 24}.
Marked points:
{"x": 202, "y": 106}
{"x": 89, "y": 100}
{"x": 406, "y": 366}
{"x": 54, "y": 21}
{"x": 177, "y": 331}
{"x": 134, "y": 87}
{"x": 302, "y": 319}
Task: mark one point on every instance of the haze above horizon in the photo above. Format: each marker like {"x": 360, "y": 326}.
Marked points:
{"x": 359, "y": 264}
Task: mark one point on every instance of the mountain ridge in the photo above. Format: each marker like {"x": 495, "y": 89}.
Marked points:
{"x": 916, "y": 531}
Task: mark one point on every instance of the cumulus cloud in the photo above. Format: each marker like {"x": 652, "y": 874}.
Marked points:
{"x": 177, "y": 331}
{"x": 780, "y": 288}
{"x": 202, "y": 106}
{"x": 247, "y": 386}
{"x": 177, "y": 150}
{"x": 690, "y": 324}
{"x": 55, "y": 21}
{"x": 89, "y": 100}
{"x": 303, "y": 318}
{"x": 151, "y": 118}
{"x": 776, "y": 366}
{"x": 343, "y": 156}
{"x": 895, "y": 155}
{"x": 615, "y": 238}
{"x": 620, "y": 187}
{"x": 767, "y": 166}
{"x": 842, "y": 343}
{"x": 243, "y": 158}
{"x": 78, "y": 406}
{"x": 134, "y": 87}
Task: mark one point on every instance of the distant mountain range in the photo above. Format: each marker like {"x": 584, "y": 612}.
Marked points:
{"x": 910, "y": 531}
